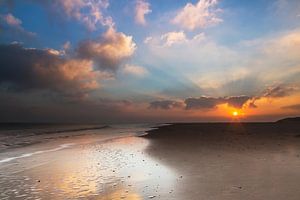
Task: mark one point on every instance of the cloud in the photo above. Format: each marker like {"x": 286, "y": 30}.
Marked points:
{"x": 108, "y": 51}
{"x": 236, "y": 101}
{"x": 142, "y": 8}
{"x": 135, "y": 70}
{"x": 199, "y": 37}
{"x": 73, "y": 72}
{"x": 275, "y": 91}
{"x": 248, "y": 64}
{"x": 278, "y": 46}
{"x": 66, "y": 48}
{"x": 200, "y": 15}
{"x": 201, "y": 103}
{"x": 295, "y": 107}
{"x": 211, "y": 102}
{"x": 67, "y": 45}
{"x": 45, "y": 69}
{"x": 12, "y": 20}
{"x": 278, "y": 91}
{"x": 87, "y": 12}
{"x": 171, "y": 38}
{"x": 174, "y": 38}
{"x": 13, "y": 24}
{"x": 111, "y": 103}
{"x": 269, "y": 54}
{"x": 165, "y": 104}
{"x": 148, "y": 39}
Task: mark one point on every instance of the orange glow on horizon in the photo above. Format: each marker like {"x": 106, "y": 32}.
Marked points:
{"x": 267, "y": 109}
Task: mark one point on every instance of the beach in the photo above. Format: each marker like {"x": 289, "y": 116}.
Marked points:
{"x": 176, "y": 161}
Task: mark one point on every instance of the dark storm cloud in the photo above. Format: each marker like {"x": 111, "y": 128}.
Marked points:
{"x": 211, "y": 102}
{"x": 36, "y": 69}
{"x": 165, "y": 104}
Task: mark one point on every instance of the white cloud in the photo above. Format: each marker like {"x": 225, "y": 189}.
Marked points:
{"x": 199, "y": 37}
{"x": 109, "y": 50}
{"x": 229, "y": 70}
{"x": 198, "y": 61}
{"x": 147, "y": 40}
{"x": 201, "y": 15}
{"x": 88, "y": 12}
{"x": 272, "y": 62}
{"x": 135, "y": 70}
{"x": 171, "y": 38}
{"x": 142, "y": 8}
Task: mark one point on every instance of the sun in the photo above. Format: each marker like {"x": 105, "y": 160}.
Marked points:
{"x": 235, "y": 113}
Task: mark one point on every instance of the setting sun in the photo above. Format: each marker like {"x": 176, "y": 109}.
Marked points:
{"x": 235, "y": 113}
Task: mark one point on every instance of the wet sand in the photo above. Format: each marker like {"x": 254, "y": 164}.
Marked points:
{"x": 112, "y": 169}
{"x": 231, "y": 160}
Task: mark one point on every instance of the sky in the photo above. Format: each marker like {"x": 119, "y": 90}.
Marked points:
{"x": 127, "y": 61}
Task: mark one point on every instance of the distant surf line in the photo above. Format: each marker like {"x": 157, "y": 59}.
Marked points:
{"x": 62, "y": 146}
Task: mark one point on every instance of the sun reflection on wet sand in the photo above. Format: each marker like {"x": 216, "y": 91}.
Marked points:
{"x": 117, "y": 169}
{"x": 121, "y": 194}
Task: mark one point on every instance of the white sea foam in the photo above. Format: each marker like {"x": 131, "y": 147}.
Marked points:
{"x": 60, "y": 147}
